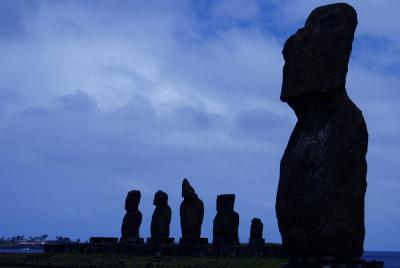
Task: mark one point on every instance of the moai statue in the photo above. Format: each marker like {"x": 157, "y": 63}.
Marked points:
{"x": 132, "y": 219}
{"x": 226, "y": 222}
{"x": 192, "y": 214}
{"x": 160, "y": 220}
{"x": 256, "y": 234}
{"x": 322, "y": 184}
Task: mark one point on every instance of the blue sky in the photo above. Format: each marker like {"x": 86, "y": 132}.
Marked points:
{"x": 101, "y": 97}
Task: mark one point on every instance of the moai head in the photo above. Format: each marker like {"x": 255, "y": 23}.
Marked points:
{"x": 257, "y": 223}
{"x": 132, "y": 201}
{"x": 317, "y": 55}
{"x": 160, "y": 199}
{"x": 225, "y": 202}
{"x": 187, "y": 190}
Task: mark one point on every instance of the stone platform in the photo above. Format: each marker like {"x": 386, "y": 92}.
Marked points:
{"x": 160, "y": 241}
{"x": 130, "y": 241}
{"x": 193, "y": 241}
{"x": 268, "y": 250}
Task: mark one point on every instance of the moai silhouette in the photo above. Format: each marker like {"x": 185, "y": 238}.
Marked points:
{"x": 160, "y": 220}
{"x": 226, "y": 222}
{"x": 132, "y": 219}
{"x": 192, "y": 214}
{"x": 256, "y": 233}
{"x": 322, "y": 184}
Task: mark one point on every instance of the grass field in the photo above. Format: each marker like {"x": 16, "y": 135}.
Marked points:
{"x": 82, "y": 260}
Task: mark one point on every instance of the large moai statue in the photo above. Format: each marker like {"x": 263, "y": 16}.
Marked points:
{"x": 226, "y": 222}
{"x": 192, "y": 214}
{"x": 322, "y": 184}
{"x": 160, "y": 220}
{"x": 256, "y": 233}
{"x": 132, "y": 219}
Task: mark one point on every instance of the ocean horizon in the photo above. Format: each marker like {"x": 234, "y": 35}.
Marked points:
{"x": 390, "y": 258}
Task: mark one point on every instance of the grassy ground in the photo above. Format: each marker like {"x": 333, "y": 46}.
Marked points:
{"x": 82, "y": 260}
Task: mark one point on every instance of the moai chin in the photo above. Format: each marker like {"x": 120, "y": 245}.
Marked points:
{"x": 160, "y": 220}
{"x": 256, "y": 233}
{"x": 192, "y": 214}
{"x": 132, "y": 219}
{"x": 322, "y": 184}
{"x": 226, "y": 222}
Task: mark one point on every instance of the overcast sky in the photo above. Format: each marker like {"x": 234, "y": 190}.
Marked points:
{"x": 101, "y": 97}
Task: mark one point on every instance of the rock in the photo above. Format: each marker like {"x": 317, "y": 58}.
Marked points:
{"x": 191, "y": 212}
{"x": 226, "y": 222}
{"x": 322, "y": 184}
{"x": 256, "y": 233}
{"x": 132, "y": 219}
{"x": 161, "y": 216}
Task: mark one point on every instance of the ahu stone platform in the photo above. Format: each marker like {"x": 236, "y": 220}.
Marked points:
{"x": 112, "y": 245}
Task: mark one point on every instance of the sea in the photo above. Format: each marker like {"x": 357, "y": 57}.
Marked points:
{"x": 390, "y": 258}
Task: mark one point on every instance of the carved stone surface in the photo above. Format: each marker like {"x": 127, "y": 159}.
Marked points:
{"x": 161, "y": 216}
{"x": 256, "y": 233}
{"x": 191, "y": 212}
{"x": 133, "y": 218}
{"x": 226, "y": 222}
{"x": 322, "y": 184}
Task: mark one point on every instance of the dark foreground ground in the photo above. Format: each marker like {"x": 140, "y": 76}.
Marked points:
{"x": 85, "y": 260}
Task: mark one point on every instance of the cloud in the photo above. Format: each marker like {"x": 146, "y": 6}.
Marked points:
{"x": 237, "y": 10}
{"x": 77, "y": 102}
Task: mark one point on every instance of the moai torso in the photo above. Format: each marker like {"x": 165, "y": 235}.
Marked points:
{"x": 161, "y": 218}
{"x": 191, "y": 212}
{"x": 320, "y": 199}
{"x": 226, "y": 222}
{"x": 256, "y": 232}
{"x": 133, "y": 217}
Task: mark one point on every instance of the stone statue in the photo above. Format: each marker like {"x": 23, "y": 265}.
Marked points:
{"x": 256, "y": 233}
{"x": 132, "y": 219}
{"x": 161, "y": 219}
{"x": 192, "y": 214}
{"x": 322, "y": 184}
{"x": 226, "y": 222}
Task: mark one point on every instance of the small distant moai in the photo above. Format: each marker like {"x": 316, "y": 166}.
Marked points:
{"x": 132, "y": 219}
{"x": 322, "y": 184}
{"x": 192, "y": 214}
{"x": 256, "y": 234}
{"x": 226, "y": 222}
{"x": 160, "y": 220}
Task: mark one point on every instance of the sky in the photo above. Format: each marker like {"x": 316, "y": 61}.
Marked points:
{"x": 101, "y": 97}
